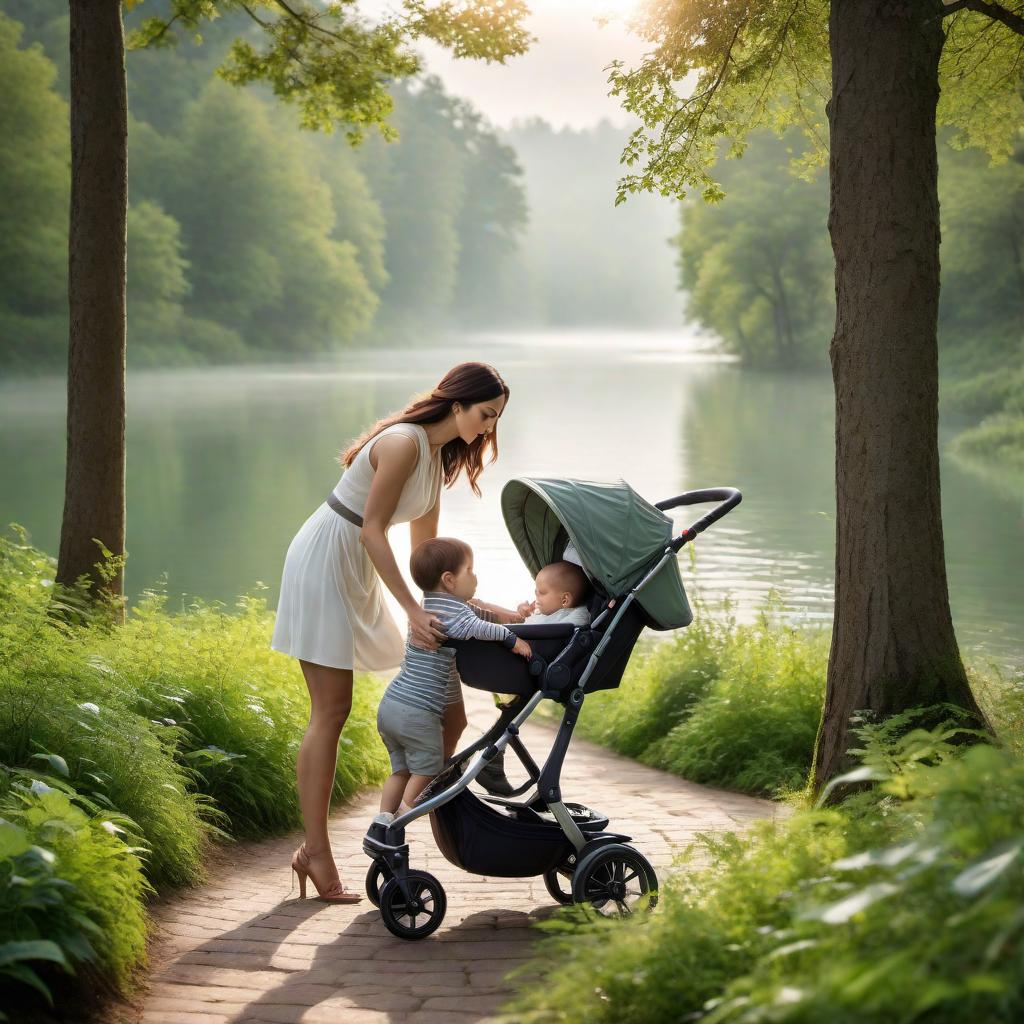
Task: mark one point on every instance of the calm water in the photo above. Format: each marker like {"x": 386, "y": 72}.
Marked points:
{"x": 224, "y": 465}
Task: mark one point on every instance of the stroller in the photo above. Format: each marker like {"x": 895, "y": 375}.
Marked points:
{"x": 628, "y": 553}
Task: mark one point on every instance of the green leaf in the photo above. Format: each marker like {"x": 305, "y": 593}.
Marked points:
{"x": 13, "y": 840}
{"x": 841, "y": 912}
{"x": 56, "y": 762}
{"x": 34, "y": 949}
{"x": 984, "y": 872}
{"x": 873, "y": 858}
{"x": 865, "y": 773}
{"x": 21, "y": 972}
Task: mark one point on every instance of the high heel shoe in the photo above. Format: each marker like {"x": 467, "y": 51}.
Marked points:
{"x": 334, "y": 892}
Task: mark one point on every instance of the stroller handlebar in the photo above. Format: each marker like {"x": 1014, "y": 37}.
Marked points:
{"x": 727, "y": 497}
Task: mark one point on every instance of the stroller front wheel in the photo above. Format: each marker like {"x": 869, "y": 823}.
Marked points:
{"x": 615, "y": 880}
{"x": 376, "y": 878}
{"x": 559, "y": 891}
{"x": 418, "y": 915}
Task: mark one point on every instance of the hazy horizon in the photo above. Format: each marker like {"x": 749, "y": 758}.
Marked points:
{"x": 562, "y": 79}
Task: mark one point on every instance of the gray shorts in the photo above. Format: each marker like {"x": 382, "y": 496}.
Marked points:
{"x": 412, "y": 736}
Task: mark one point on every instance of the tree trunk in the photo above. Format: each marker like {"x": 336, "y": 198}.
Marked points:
{"x": 893, "y": 645}
{"x": 94, "y": 507}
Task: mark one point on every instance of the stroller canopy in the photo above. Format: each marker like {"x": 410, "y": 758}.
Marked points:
{"x": 618, "y": 535}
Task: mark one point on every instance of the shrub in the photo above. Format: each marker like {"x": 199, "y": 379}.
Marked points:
{"x": 60, "y": 698}
{"x": 238, "y": 709}
{"x": 998, "y": 437}
{"x": 85, "y": 884}
{"x": 721, "y": 704}
{"x": 661, "y": 686}
{"x": 901, "y": 904}
{"x": 754, "y": 727}
{"x": 128, "y": 749}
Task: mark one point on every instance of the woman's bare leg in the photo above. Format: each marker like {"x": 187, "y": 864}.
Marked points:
{"x": 330, "y": 700}
{"x": 453, "y": 723}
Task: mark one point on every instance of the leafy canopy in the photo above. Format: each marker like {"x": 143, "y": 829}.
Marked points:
{"x": 335, "y": 65}
{"x": 719, "y": 70}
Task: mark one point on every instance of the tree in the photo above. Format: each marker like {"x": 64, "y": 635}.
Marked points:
{"x": 258, "y": 220}
{"x": 981, "y": 312}
{"x": 34, "y": 184}
{"x": 334, "y": 66}
{"x": 755, "y": 268}
{"x": 491, "y": 219}
{"x": 420, "y": 189}
{"x": 94, "y": 505}
{"x": 765, "y": 63}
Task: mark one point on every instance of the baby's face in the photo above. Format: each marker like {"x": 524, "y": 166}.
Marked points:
{"x": 549, "y": 597}
{"x": 463, "y": 583}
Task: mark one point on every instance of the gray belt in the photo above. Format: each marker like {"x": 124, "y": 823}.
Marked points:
{"x": 343, "y": 510}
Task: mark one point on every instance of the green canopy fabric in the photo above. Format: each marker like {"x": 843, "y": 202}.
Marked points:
{"x": 619, "y": 537}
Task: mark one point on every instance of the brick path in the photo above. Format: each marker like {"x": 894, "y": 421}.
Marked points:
{"x": 240, "y": 950}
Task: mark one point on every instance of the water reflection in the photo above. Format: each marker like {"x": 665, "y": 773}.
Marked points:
{"x": 224, "y": 465}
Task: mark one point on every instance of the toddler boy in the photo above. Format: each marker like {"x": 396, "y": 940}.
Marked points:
{"x": 409, "y": 716}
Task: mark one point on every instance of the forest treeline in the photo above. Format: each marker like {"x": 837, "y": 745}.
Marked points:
{"x": 758, "y": 271}
{"x": 247, "y": 235}
{"x": 250, "y": 237}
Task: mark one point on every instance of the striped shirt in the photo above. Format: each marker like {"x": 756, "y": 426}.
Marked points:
{"x": 429, "y": 679}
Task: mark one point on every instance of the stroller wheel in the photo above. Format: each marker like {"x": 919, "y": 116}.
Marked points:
{"x": 418, "y": 916}
{"x": 616, "y": 881}
{"x": 376, "y": 877}
{"x": 558, "y": 883}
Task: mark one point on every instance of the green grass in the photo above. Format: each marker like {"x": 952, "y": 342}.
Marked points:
{"x": 733, "y": 706}
{"x": 176, "y": 730}
{"x": 902, "y": 904}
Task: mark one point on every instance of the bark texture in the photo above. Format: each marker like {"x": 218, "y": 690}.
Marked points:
{"x": 94, "y": 504}
{"x": 893, "y": 645}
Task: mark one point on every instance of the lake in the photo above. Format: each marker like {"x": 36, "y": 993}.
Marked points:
{"x": 225, "y": 464}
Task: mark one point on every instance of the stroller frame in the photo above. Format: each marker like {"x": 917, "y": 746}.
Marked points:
{"x": 391, "y": 883}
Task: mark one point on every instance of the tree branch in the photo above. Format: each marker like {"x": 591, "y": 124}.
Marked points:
{"x": 1011, "y": 19}
{"x": 255, "y": 17}
{"x": 710, "y": 93}
{"x": 310, "y": 21}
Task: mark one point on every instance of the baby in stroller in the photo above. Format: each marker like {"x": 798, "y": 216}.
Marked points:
{"x": 409, "y": 716}
{"x": 562, "y": 591}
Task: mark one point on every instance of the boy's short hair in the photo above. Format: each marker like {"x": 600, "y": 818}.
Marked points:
{"x": 570, "y": 578}
{"x": 433, "y": 558}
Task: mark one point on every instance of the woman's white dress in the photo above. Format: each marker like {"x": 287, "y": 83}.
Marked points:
{"x": 331, "y": 610}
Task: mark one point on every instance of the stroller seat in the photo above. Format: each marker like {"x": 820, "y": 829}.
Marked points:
{"x": 561, "y": 653}
{"x": 492, "y": 667}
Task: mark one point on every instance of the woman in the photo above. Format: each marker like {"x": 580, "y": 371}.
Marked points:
{"x": 331, "y": 613}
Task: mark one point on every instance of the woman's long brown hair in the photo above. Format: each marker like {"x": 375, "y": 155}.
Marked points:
{"x": 467, "y": 384}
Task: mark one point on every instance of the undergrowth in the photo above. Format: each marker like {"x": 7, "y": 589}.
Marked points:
{"x": 901, "y": 904}
{"x": 125, "y": 750}
{"x": 733, "y": 706}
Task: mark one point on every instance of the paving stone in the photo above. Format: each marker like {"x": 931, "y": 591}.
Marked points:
{"x": 244, "y": 950}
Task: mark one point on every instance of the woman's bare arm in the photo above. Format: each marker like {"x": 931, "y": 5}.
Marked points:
{"x": 425, "y": 528}
{"x": 393, "y": 458}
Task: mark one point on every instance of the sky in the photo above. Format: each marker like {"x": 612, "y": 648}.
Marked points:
{"x": 562, "y": 79}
